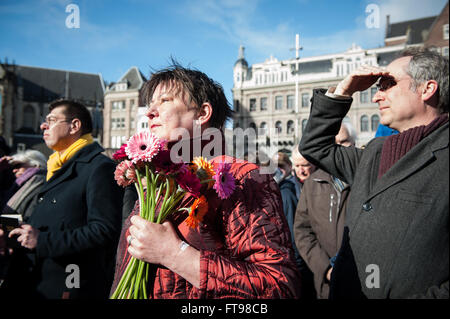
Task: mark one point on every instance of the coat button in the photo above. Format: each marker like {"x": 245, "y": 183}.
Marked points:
{"x": 40, "y": 199}
{"x": 53, "y": 201}
{"x": 366, "y": 207}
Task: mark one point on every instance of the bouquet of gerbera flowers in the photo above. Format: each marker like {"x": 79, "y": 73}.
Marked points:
{"x": 161, "y": 184}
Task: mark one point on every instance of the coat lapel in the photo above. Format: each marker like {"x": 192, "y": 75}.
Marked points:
{"x": 418, "y": 157}
{"x": 84, "y": 155}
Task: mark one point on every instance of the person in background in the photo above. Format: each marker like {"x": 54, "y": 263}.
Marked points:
{"x": 286, "y": 182}
{"x": 302, "y": 168}
{"x": 29, "y": 167}
{"x": 383, "y": 130}
{"x": 7, "y": 177}
{"x": 396, "y": 235}
{"x": 319, "y": 219}
{"x": 75, "y": 225}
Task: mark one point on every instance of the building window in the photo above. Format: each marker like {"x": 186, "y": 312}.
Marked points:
{"x": 28, "y": 117}
{"x": 364, "y": 123}
{"x": 252, "y": 105}
{"x": 290, "y": 102}
{"x": 117, "y": 123}
{"x": 445, "y": 51}
{"x": 252, "y": 126}
{"x": 263, "y": 104}
{"x": 290, "y": 127}
{"x": 121, "y": 86}
{"x": 445, "y": 31}
{"x": 278, "y": 102}
{"x": 116, "y": 141}
{"x": 305, "y": 99}
{"x": 118, "y": 105}
{"x": 304, "y": 122}
{"x": 364, "y": 97}
{"x": 374, "y": 122}
{"x": 263, "y": 128}
{"x": 278, "y": 127}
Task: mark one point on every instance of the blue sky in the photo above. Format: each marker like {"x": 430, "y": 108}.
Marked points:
{"x": 204, "y": 34}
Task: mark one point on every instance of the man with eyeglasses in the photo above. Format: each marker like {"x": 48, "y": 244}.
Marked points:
{"x": 396, "y": 238}
{"x": 70, "y": 240}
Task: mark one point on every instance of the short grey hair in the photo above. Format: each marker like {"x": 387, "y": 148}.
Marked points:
{"x": 425, "y": 65}
{"x": 31, "y": 158}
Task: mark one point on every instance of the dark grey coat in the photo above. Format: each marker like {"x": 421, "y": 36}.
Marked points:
{"x": 79, "y": 218}
{"x": 319, "y": 224}
{"x": 398, "y": 223}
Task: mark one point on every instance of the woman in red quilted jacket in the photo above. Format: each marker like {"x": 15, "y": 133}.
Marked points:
{"x": 242, "y": 248}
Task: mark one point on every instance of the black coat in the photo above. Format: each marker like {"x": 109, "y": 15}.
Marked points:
{"x": 398, "y": 231}
{"x": 79, "y": 218}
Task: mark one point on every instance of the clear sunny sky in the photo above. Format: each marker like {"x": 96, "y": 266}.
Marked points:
{"x": 204, "y": 34}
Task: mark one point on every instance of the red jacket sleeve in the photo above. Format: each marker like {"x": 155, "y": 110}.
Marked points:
{"x": 260, "y": 262}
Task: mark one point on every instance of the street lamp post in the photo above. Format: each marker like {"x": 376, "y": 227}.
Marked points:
{"x": 297, "y": 49}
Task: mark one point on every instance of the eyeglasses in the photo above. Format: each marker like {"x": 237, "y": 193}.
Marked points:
{"x": 50, "y": 121}
{"x": 385, "y": 83}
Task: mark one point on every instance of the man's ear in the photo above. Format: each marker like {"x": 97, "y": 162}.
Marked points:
{"x": 429, "y": 89}
{"x": 75, "y": 126}
{"x": 204, "y": 113}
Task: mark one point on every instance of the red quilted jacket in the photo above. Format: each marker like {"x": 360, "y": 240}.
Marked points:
{"x": 244, "y": 242}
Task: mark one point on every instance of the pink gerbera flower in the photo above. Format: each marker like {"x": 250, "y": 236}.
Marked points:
{"x": 143, "y": 146}
{"x": 224, "y": 181}
{"x": 125, "y": 173}
{"x": 188, "y": 181}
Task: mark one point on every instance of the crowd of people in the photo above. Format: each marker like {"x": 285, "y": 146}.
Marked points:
{"x": 333, "y": 222}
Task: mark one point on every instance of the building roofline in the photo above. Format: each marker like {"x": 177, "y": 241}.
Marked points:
{"x": 52, "y": 69}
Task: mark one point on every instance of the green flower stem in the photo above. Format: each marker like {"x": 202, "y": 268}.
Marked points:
{"x": 124, "y": 280}
{"x": 173, "y": 201}
{"x": 145, "y": 281}
{"x": 137, "y": 282}
{"x": 158, "y": 195}
{"x": 149, "y": 193}
{"x": 141, "y": 191}
{"x": 163, "y": 205}
{"x": 133, "y": 283}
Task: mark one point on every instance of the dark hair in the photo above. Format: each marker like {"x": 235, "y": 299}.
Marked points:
{"x": 425, "y": 65}
{"x": 198, "y": 87}
{"x": 75, "y": 110}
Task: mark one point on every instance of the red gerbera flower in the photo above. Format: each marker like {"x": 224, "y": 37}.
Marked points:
{"x": 163, "y": 163}
{"x": 188, "y": 181}
{"x": 120, "y": 154}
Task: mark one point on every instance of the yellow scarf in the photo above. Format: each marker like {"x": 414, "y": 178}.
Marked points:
{"x": 55, "y": 161}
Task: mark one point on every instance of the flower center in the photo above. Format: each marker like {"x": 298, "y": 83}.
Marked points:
{"x": 143, "y": 147}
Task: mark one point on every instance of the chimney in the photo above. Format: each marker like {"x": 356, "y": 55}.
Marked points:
{"x": 388, "y": 25}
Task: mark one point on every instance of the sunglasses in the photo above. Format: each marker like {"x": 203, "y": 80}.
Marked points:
{"x": 385, "y": 83}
